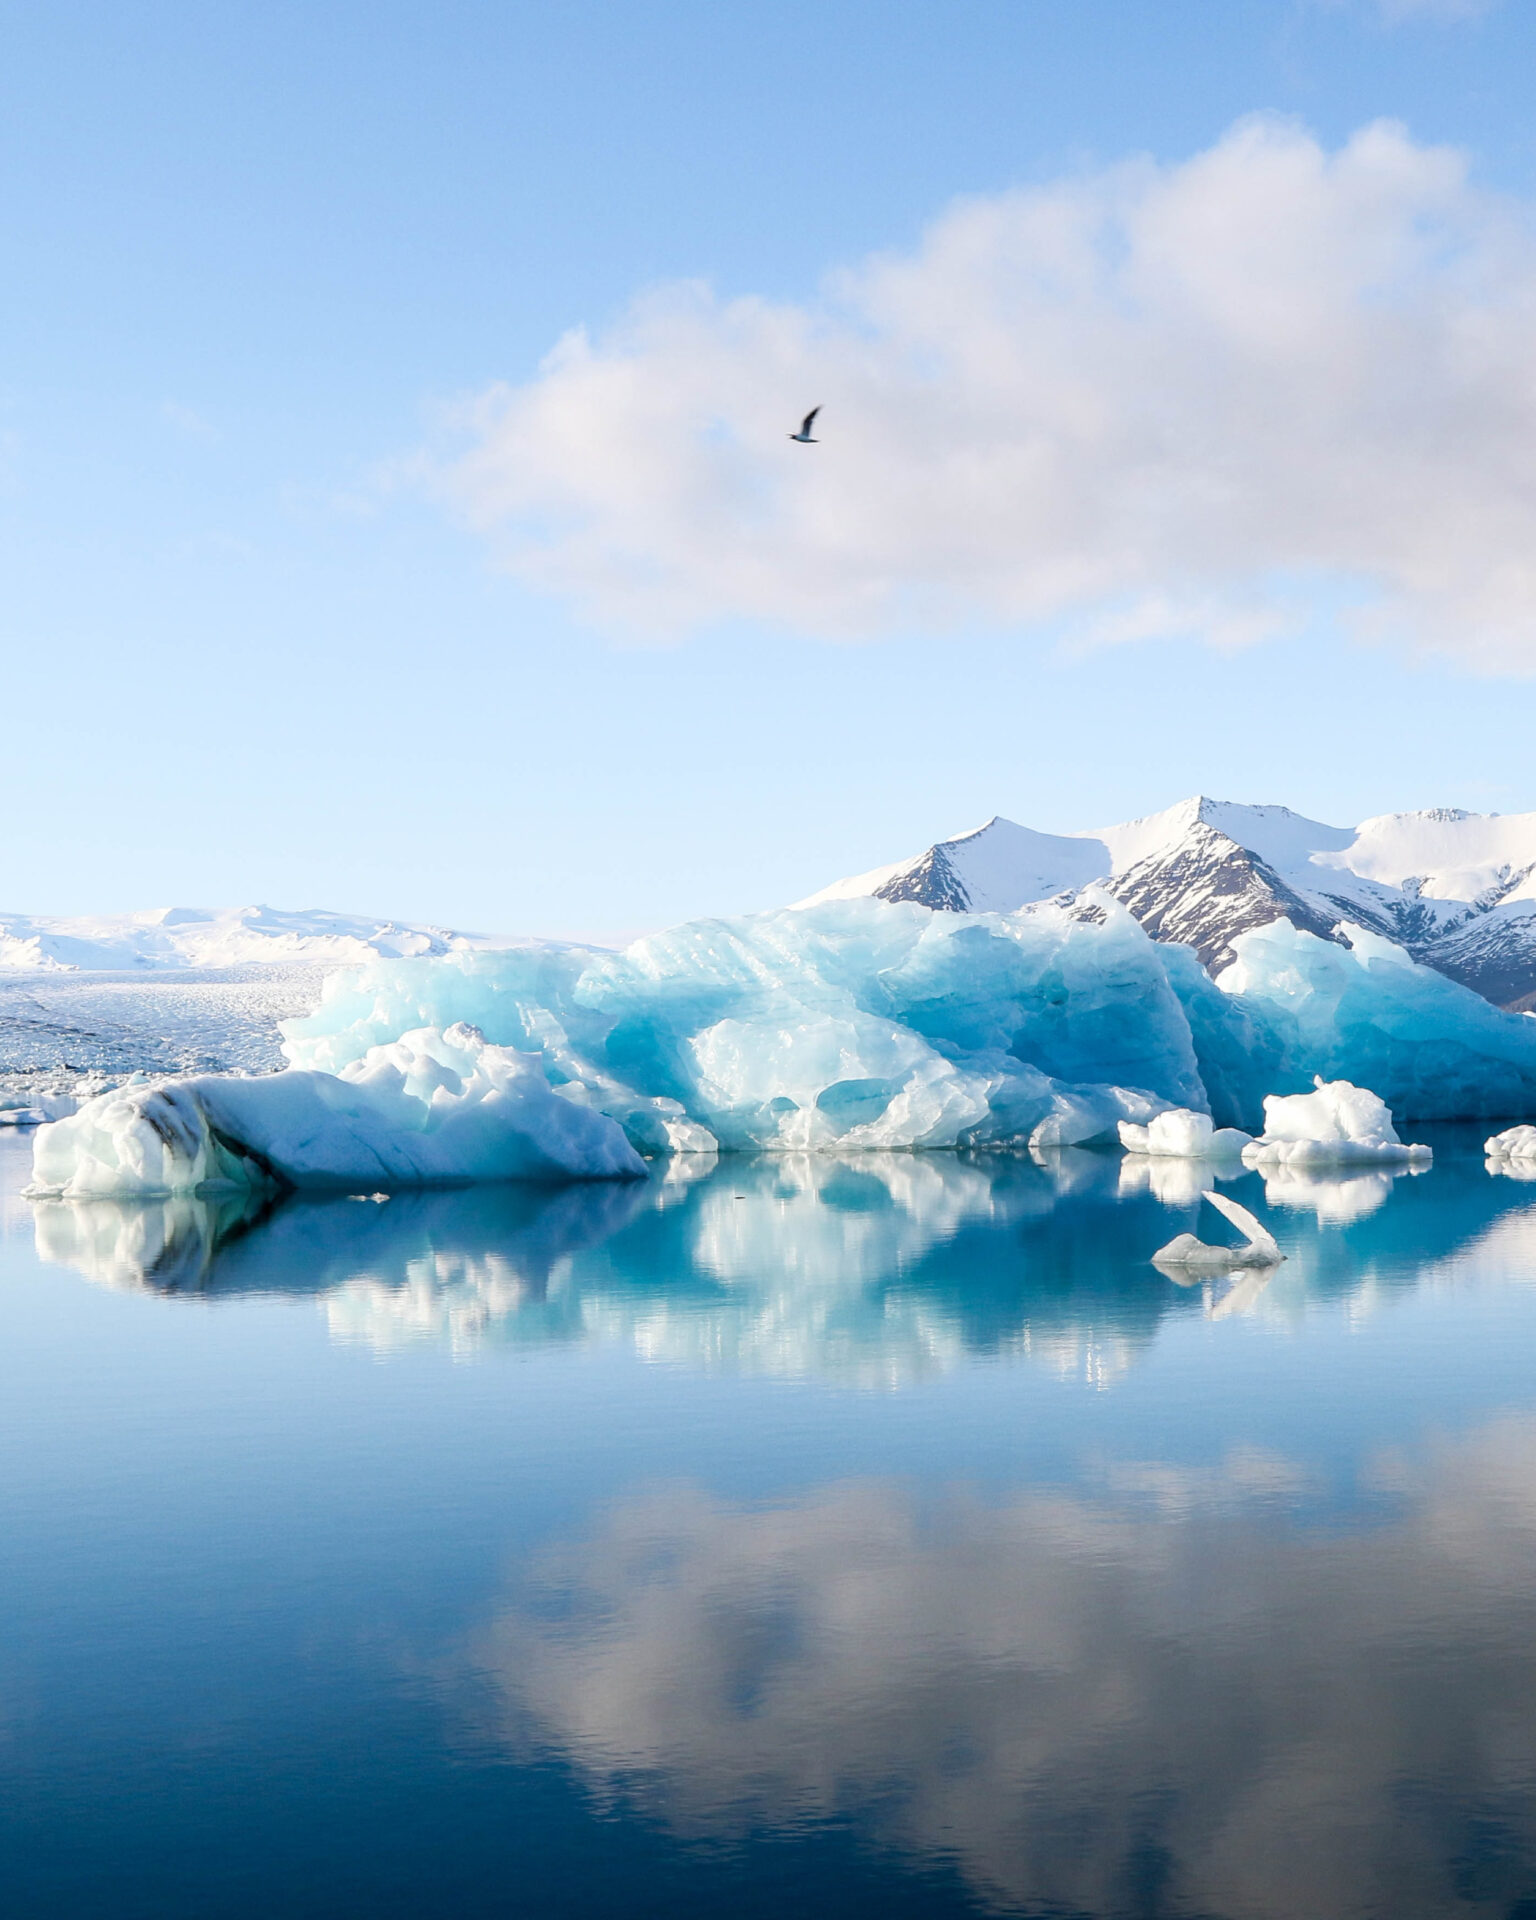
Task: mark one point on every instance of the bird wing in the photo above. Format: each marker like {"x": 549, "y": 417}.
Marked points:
{"x": 805, "y": 424}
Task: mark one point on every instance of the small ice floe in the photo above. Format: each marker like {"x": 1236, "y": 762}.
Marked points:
{"x": 41, "y": 1109}
{"x": 1512, "y": 1153}
{"x": 1260, "y": 1248}
{"x": 1337, "y": 1125}
{"x": 1181, "y": 1134}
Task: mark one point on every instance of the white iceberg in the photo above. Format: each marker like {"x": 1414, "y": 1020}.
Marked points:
{"x": 1338, "y": 1124}
{"x": 1514, "y": 1143}
{"x": 1259, "y": 1248}
{"x": 1184, "y": 1135}
{"x": 38, "y": 1110}
{"x": 429, "y": 1109}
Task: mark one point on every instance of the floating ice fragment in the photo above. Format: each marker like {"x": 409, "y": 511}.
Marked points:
{"x": 1183, "y": 1135}
{"x": 39, "y": 1110}
{"x": 1337, "y": 1125}
{"x": 1514, "y": 1143}
{"x": 1260, "y": 1248}
{"x": 429, "y": 1109}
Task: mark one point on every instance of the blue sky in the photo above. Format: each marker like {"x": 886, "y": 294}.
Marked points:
{"x": 271, "y": 632}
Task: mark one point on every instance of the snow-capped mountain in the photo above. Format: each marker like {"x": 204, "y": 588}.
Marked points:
{"x": 1458, "y": 890}
{"x": 210, "y": 938}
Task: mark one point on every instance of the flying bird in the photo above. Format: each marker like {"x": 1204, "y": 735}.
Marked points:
{"x": 804, "y": 436}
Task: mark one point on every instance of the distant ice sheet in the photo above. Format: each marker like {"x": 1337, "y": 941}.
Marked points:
{"x": 203, "y": 937}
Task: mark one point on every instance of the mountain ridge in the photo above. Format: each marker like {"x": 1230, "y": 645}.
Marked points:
{"x": 1456, "y": 889}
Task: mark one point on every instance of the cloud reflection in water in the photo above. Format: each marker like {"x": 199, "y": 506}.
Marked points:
{"x": 1170, "y": 1697}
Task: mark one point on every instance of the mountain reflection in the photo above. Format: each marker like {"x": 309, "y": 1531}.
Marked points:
{"x": 872, "y": 1269}
{"x": 1174, "y": 1697}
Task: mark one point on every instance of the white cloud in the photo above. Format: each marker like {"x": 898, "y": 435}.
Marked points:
{"x": 1149, "y": 399}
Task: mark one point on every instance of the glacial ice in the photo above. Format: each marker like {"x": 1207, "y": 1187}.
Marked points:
{"x": 37, "y": 1109}
{"x": 1367, "y": 1013}
{"x": 1336, "y": 1125}
{"x": 1259, "y": 1249}
{"x": 430, "y": 1108}
{"x": 853, "y": 1025}
{"x": 1515, "y": 1143}
{"x": 856, "y": 1024}
{"x": 1184, "y": 1135}
{"x": 866, "y": 1023}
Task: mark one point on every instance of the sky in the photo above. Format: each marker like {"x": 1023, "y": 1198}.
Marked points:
{"x": 396, "y": 508}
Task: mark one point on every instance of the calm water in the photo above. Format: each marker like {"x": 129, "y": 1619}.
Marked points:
{"x": 882, "y": 1536}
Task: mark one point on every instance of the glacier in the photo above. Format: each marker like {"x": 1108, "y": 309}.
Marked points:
{"x": 853, "y": 1025}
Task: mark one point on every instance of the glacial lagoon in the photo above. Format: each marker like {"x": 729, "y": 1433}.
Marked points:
{"x": 867, "y": 1535}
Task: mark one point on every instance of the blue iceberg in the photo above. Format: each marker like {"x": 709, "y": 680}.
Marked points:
{"x": 850, "y": 1026}
{"x": 1366, "y": 1013}
{"x": 854, "y": 1025}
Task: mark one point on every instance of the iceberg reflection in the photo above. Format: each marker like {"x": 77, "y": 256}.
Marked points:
{"x": 1173, "y": 1696}
{"x": 871, "y": 1269}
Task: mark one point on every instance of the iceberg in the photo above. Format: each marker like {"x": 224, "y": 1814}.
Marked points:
{"x": 38, "y": 1110}
{"x": 431, "y": 1108}
{"x": 1259, "y": 1248}
{"x": 1364, "y": 1012}
{"x": 1183, "y": 1135}
{"x": 1338, "y": 1124}
{"x": 866, "y": 1023}
{"x": 1515, "y": 1143}
{"x": 854, "y": 1025}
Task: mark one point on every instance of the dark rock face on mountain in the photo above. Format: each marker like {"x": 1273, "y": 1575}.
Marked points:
{"x": 1494, "y": 955}
{"x": 931, "y": 881}
{"x": 1457, "y": 890}
{"x": 1206, "y": 890}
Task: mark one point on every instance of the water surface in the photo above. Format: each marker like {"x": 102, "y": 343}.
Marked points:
{"x": 880, "y": 1535}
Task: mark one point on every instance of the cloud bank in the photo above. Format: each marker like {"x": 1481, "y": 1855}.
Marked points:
{"x": 1153, "y": 399}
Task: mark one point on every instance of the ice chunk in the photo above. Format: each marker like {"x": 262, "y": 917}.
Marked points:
{"x": 39, "y": 1110}
{"x": 1183, "y": 1135}
{"x": 1514, "y": 1143}
{"x": 1338, "y": 1124}
{"x": 1260, "y": 1248}
{"x": 431, "y": 1108}
{"x": 856, "y": 1024}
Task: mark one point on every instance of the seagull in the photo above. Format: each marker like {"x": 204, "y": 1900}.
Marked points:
{"x": 804, "y": 436}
